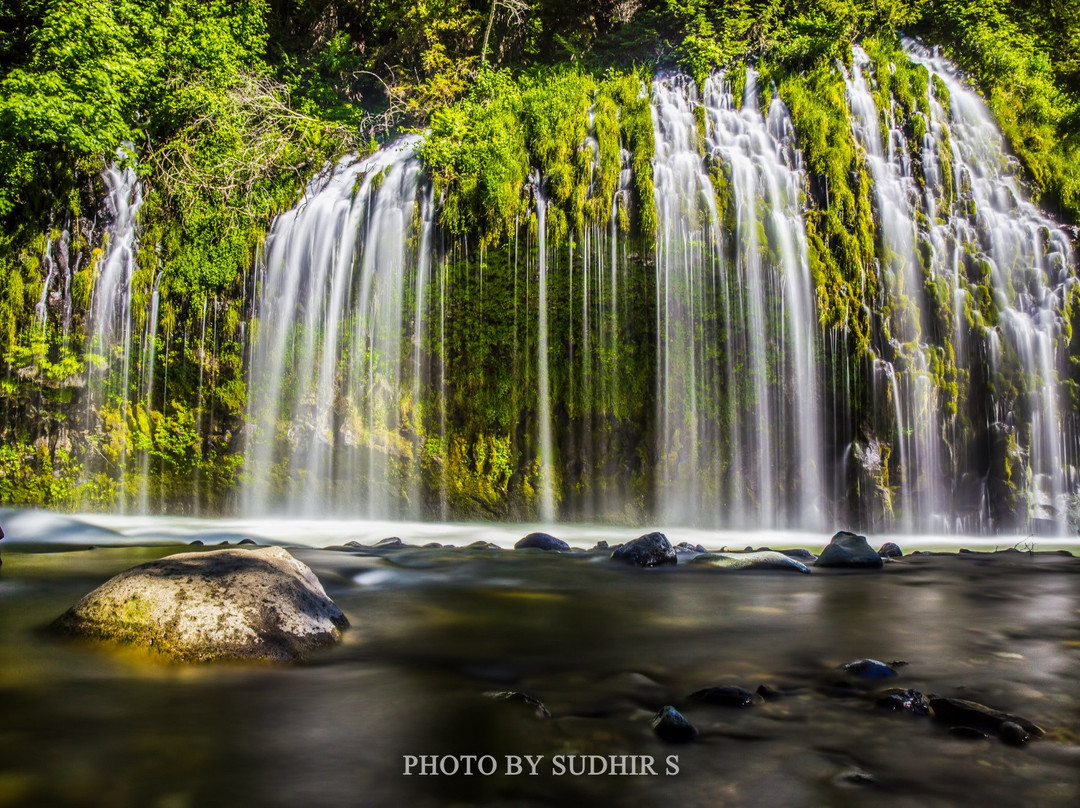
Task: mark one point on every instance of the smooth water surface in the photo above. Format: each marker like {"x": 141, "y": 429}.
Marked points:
{"x": 603, "y": 647}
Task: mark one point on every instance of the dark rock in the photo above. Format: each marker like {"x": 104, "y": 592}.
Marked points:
{"x": 847, "y": 550}
{"x": 542, "y": 541}
{"x": 670, "y": 725}
{"x": 890, "y": 550}
{"x": 650, "y": 550}
{"x": 482, "y": 545}
{"x": 513, "y": 696}
{"x": 867, "y": 669}
{"x": 800, "y": 554}
{"x": 392, "y": 541}
{"x": 246, "y": 541}
{"x": 259, "y": 604}
{"x": 687, "y": 547}
{"x": 1014, "y": 734}
{"x": 600, "y": 545}
{"x": 769, "y": 693}
{"x": 751, "y": 561}
{"x": 196, "y": 543}
{"x": 432, "y": 545}
{"x": 353, "y": 543}
{"x": 725, "y": 696}
{"x": 908, "y": 701}
{"x": 961, "y": 712}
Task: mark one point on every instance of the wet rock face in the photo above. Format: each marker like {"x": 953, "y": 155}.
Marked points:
{"x": 850, "y": 551}
{"x": 650, "y": 550}
{"x": 259, "y": 604}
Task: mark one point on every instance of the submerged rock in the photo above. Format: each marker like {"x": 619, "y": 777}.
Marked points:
{"x": 867, "y": 669}
{"x": 908, "y": 701}
{"x": 541, "y": 541}
{"x": 524, "y": 699}
{"x": 725, "y": 696}
{"x": 761, "y": 560}
{"x": 650, "y": 550}
{"x": 480, "y": 544}
{"x": 800, "y": 553}
{"x": 392, "y": 541}
{"x": 670, "y": 725}
{"x": 259, "y": 604}
{"x": 687, "y": 547}
{"x": 890, "y": 550}
{"x": 849, "y": 550}
{"x": 963, "y": 713}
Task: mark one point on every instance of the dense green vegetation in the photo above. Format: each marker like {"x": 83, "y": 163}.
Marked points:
{"x": 228, "y": 108}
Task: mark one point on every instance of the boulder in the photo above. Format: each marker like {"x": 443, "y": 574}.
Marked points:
{"x": 257, "y": 604}
{"x": 890, "y": 550}
{"x": 847, "y": 550}
{"x": 767, "y": 560}
{"x": 541, "y": 541}
{"x": 650, "y": 550}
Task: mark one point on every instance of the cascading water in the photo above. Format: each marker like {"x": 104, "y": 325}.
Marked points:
{"x": 362, "y": 372}
{"x": 918, "y": 440}
{"x": 327, "y": 367}
{"x": 739, "y": 414}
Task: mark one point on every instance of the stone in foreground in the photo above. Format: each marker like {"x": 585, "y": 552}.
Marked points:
{"x": 542, "y": 541}
{"x": 847, "y": 550}
{"x": 650, "y": 550}
{"x": 759, "y": 560}
{"x": 670, "y": 725}
{"x": 222, "y": 605}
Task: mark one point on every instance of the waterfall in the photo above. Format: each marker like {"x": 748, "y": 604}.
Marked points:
{"x": 683, "y": 386}
{"x": 325, "y": 411}
{"x": 738, "y": 400}
{"x": 110, "y": 319}
{"x": 543, "y": 391}
{"x": 917, "y": 432}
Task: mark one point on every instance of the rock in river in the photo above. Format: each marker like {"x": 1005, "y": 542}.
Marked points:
{"x": 670, "y": 725}
{"x": 964, "y": 713}
{"x": 890, "y": 549}
{"x": 850, "y": 551}
{"x": 541, "y": 541}
{"x": 650, "y": 550}
{"x": 259, "y": 604}
{"x": 867, "y": 669}
{"x": 761, "y": 560}
{"x": 726, "y": 696}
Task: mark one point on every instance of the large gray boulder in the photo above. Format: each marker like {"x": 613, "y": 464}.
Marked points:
{"x": 259, "y": 604}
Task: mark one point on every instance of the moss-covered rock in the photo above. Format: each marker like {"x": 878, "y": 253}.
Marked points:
{"x": 220, "y": 605}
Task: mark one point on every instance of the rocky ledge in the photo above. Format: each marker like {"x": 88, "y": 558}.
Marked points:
{"x": 257, "y": 604}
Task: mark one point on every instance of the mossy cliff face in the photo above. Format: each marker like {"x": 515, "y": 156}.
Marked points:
{"x": 161, "y": 421}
